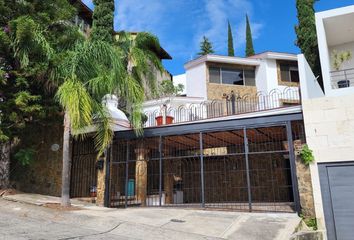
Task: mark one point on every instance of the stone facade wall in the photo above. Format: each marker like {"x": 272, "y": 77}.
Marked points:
{"x": 101, "y": 185}
{"x": 305, "y": 188}
{"x": 216, "y": 91}
{"x": 43, "y": 176}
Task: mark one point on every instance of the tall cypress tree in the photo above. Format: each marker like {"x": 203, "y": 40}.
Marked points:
{"x": 306, "y": 34}
{"x": 230, "y": 41}
{"x": 205, "y": 47}
{"x": 103, "y": 17}
{"x": 249, "y": 40}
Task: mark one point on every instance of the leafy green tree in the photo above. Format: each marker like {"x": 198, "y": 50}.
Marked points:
{"x": 168, "y": 89}
{"x": 230, "y": 41}
{"x": 103, "y": 20}
{"x": 205, "y": 47}
{"x": 30, "y": 33}
{"x": 249, "y": 40}
{"x": 307, "y": 36}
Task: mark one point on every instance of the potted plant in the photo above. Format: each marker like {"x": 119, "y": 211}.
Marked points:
{"x": 167, "y": 89}
{"x": 338, "y": 58}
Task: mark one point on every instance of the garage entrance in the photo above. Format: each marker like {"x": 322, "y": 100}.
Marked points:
{"x": 337, "y": 194}
{"x": 249, "y": 168}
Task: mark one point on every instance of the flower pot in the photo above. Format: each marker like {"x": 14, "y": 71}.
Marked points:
{"x": 343, "y": 83}
{"x": 159, "y": 120}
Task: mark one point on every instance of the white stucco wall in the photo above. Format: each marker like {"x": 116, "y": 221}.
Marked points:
{"x": 272, "y": 74}
{"x": 342, "y": 48}
{"x": 329, "y": 126}
{"x": 196, "y": 81}
{"x": 261, "y": 77}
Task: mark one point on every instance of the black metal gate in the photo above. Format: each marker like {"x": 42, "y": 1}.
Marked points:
{"x": 243, "y": 169}
{"x": 83, "y": 171}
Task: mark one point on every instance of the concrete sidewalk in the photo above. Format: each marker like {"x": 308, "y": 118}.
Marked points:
{"x": 40, "y": 200}
{"x": 153, "y": 223}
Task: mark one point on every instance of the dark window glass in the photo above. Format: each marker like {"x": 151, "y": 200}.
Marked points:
{"x": 232, "y": 76}
{"x": 214, "y": 75}
{"x": 289, "y": 72}
{"x": 250, "y": 77}
{"x": 284, "y": 73}
{"x": 294, "y": 74}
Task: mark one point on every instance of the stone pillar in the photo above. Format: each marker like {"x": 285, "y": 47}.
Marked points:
{"x": 304, "y": 184}
{"x": 141, "y": 175}
{"x": 168, "y": 181}
{"x": 101, "y": 183}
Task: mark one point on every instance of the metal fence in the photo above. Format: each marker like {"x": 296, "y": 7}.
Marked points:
{"x": 232, "y": 104}
{"x": 83, "y": 170}
{"x": 243, "y": 169}
{"x": 342, "y": 78}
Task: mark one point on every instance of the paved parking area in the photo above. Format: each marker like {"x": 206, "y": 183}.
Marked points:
{"x": 26, "y": 221}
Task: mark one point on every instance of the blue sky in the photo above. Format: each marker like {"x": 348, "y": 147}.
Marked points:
{"x": 180, "y": 24}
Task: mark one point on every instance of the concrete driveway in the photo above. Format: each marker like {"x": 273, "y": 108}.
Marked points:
{"x": 25, "y": 221}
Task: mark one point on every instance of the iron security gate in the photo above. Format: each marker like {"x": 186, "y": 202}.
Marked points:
{"x": 243, "y": 169}
{"x": 83, "y": 171}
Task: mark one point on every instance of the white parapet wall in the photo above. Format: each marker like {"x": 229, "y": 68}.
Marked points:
{"x": 310, "y": 88}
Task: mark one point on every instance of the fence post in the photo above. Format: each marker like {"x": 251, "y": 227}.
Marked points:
{"x": 126, "y": 176}
{"x": 293, "y": 166}
{"x": 201, "y": 168}
{"x": 160, "y": 170}
{"x": 107, "y": 201}
{"x": 247, "y": 169}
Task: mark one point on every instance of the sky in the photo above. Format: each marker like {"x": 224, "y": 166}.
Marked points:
{"x": 181, "y": 24}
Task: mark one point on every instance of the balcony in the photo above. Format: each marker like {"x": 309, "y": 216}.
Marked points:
{"x": 342, "y": 78}
{"x": 232, "y": 105}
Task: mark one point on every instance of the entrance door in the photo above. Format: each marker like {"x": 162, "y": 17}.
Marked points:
{"x": 338, "y": 195}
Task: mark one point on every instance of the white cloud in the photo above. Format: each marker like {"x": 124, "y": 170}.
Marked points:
{"x": 138, "y": 15}
{"x": 180, "y": 25}
{"x": 213, "y": 23}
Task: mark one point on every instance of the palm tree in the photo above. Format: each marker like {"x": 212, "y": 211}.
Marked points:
{"x": 93, "y": 69}
{"x": 140, "y": 58}
{"x": 89, "y": 71}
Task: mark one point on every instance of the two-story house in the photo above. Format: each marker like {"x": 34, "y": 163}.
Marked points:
{"x": 231, "y": 143}
{"x": 218, "y": 85}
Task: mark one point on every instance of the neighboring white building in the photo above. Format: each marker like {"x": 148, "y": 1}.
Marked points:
{"x": 329, "y": 125}
{"x": 335, "y": 31}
